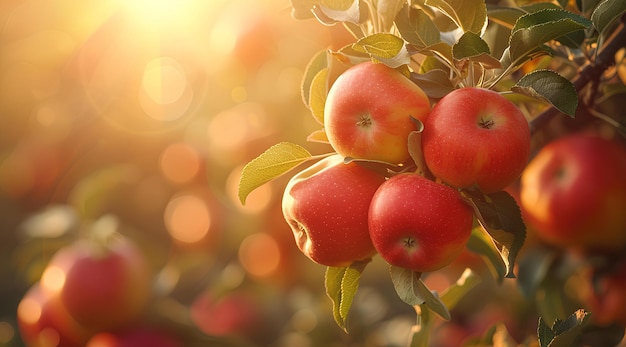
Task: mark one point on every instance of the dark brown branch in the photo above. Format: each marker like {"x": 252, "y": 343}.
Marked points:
{"x": 589, "y": 72}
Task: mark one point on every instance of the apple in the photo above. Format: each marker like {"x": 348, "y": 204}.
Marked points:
{"x": 606, "y": 294}
{"x": 419, "y": 224}
{"x": 367, "y": 113}
{"x": 234, "y": 313}
{"x": 43, "y": 321}
{"x": 326, "y": 206}
{"x": 136, "y": 337}
{"x": 574, "y": 192}
{"x": 475, "y": 136}
{"x": 103, "y": 285}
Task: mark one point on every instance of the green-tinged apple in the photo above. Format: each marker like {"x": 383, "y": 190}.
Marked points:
{"x": 574, "y": 192}
{"x": 476, "y": 136}
{"x": 103, "y": 286}
{"x": 326, "y": 206}
{"x": 419, "y": 224}
{"x": 368, "y": 113}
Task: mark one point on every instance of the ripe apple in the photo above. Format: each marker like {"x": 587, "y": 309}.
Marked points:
{"x": 103, "y": 286}
{"x": 367, "y": 113}
{"x": 419, "y": 224}
{"x": 606, "y": 295}
{"x": 135, "y": 337}
{"x": 574, "y": 192}
{"x": 475, "y": 136}
{"x": 44, "y": 321}
{"x": 326, "y": 206}
{"x": 234, "y": 313}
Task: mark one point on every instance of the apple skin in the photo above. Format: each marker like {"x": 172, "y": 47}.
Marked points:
{"x": 419, "y": 224}
{"x": 367, "y": 113}
{"x": 606, "y": 294}
{"x": 106, "y": 286}
{"x": 135, "y": 337}
{"x": 326, "y": 206}
{"x": 475, "y": 136}
{"x": 574, "y": 193}
{"x": 43, "y": 321}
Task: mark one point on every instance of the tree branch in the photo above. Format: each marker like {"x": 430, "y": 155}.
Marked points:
{"x": 589, "y": 72}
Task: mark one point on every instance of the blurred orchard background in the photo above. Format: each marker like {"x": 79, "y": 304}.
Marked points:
{"x": 144, "y": 112}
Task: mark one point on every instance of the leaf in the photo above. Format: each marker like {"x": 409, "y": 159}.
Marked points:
{"x": 532, "y": 30}
{"x": 416, "y": 27}
{"x": 413, "y": 291}
{"x": 551, "y": 87}
{"x": 606, "y": 13}
{"x": 501, "y": 218}
{"x": 332, "y": 11}
{"x": 469, "y": 15}
{"x": 388, "y": 48}
{"x": 469, "y": 45}
{"x": 318, "y": 94}
{"x": 318, "y": 63}
{"x": 274, "y": 162}
{"x": 435, "y": 83}
{"x": 318, "y": 136}
{"x": 350, "y": 56}
{"x": 504, "y": 15}
{"x": 342, "y": 284}
{"x": 415, "y": 150}
{"x": 562, "y": 333}
{"x": 482, "y": 244}
{"x": 453, "y": 294}
{"x": 387, "y": 11}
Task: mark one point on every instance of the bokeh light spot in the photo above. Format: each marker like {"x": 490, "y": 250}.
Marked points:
{"x": 164, "y": 80}
{"x": 180, "y": 162}
{"x": 29, "y": 310}
{"x": 7, "y": 332}
{"x": 187, "y": 218}
{"x": 259, "y": 254}
{"x": 53, "y": 278}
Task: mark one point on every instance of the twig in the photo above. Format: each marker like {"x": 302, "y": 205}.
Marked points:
{"x": 589, "y": 73}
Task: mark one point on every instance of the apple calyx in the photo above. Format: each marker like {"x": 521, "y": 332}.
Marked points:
{"x": 365, "y": 121}
{"x": 486, "y": 123}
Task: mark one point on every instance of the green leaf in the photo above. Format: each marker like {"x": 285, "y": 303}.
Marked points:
{"x": 469, "y": 45}
{"x": 469, "y": 15}
{"x": 318, "y": 63}
{"x": 388, "y": 48}
{"x": 453, "y": 294}
{"x": 501, "y": 218}
{"x": 318, "y": 136}
{"x": 416, "y": 27}
{"x": 387, "y": 11}
{"x": 562, "y": 333}
{"x": 318, "y": 94}
{"x": 551, "y": 87}
{"x": 606, "y": 13}
{"x": 532, "y": 30}
{"x": 342, "y": 284}
{"x": 504, "y": 15}
{"x": 413, "y": 291}
{"x": 275, "y": 161}
{"x": 435, "y": 83}
{"x": 482, "y": 244}
{"x": 333, "y": 11}
{"x": 415, "y": 150}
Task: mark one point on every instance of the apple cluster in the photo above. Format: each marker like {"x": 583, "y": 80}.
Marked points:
{"x": 376, "y": 196}
{"x": 92, "y": 293}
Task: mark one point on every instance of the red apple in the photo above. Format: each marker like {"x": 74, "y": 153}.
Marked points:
{"x": 606, "y": 295}
{"x": 574, "y": 192}
{"x": 326, "y": 206}
{"x": 136, "y": 337}
{"x": 43, "y": 321}
{"x": 103, "y": 286}
{"x": 475, "y": 136}
{"x": 419, "y": 224}
{"x": 367, "y": 113}
{"x": 232, "y": 314}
